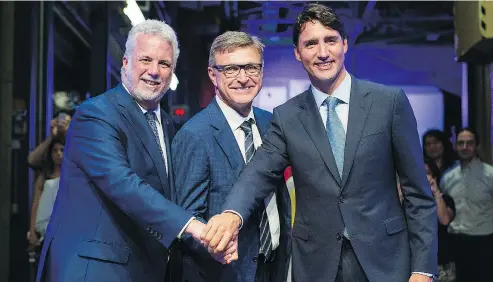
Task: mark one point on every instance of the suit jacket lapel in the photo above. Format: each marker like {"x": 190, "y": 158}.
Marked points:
{"x": 314, "y": 126}
{"x": 225, "y": 138}
{"x": 359, "y": 107}
{"x": 136, "y": 118}
{"x": 262, "y": 124}
{"x": 168, "y": 136}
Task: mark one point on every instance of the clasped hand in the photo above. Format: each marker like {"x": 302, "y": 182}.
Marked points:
{"x": 220, "y": 237}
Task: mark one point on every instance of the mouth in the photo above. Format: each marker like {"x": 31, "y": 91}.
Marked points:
{"x": 324, "y": 65}
{"x": 243, "y": 89}
{"x": 151, "y": 82}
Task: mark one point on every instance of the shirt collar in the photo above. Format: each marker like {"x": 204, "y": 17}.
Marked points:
{"x": 342, "y": 92}
{"x": 234, "y": 118}
{"x": 157, "y": 110}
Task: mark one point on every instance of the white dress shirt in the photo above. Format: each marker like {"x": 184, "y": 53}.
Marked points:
{"x": 235, "y": 120}
{"x": 343, "y": 93}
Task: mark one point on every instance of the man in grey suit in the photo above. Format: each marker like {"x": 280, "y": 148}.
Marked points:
{"x": 209, "y": 153}
{"x": 345, "y": 139}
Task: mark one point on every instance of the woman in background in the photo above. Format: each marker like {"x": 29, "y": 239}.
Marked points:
{"x": 438, "y": 148}
{"x": 445, "y": 214}
{"x": 46, "y": 188}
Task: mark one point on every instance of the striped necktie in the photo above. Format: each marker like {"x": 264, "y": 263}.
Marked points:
{"x": 151, "y": 119}
{"x": 265, "y": 236}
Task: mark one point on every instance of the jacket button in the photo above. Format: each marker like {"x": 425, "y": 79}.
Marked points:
{"x": 338, "y": 236}
{"x": 342, "y": 199}
{"x": 255, "y": 259}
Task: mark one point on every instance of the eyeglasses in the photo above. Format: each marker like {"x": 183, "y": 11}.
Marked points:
{"x": 231, "y": 71}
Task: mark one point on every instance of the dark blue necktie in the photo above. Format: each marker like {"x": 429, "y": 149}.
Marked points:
{"x": 152, "y": 120}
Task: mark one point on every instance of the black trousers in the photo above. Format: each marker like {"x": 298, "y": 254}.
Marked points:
{"x": 350, "y": 269}
{"x": 265, "y": 270}
{"x": 473, "y": 258}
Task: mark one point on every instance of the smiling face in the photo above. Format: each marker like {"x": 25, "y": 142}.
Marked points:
{"x": 148, "y": 70}
{"x": 321, "y": 50}
{"x": 237, "y": 92}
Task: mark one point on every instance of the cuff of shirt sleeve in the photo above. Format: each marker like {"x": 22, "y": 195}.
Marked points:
{"x": 241, "y": 218}
{"x": 185, "y": 227}
{"x": 425, "y": 274}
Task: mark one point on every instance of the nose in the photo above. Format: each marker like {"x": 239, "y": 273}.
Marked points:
{"x": 242, "y": 76}
{"x": 153, "y": 69}
{"x": 323, "y": 52}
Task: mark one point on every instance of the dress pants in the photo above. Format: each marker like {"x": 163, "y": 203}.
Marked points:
{"x": 265, "y": 270}
{"x": 473, "y": 258}
{"x": 349, "y": 269}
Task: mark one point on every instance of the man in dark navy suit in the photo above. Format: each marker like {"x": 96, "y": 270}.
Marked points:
{"x": 113, "y": 219}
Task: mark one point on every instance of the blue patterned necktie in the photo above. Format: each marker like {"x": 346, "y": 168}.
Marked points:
{"x": 265, "y": 236}
{"x": 337, "y": 136}
{"x": 335, "y": 132}
{"x": 152, "y": 120}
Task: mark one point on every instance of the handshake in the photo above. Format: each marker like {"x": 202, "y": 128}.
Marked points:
{"x": 219, "y": 236}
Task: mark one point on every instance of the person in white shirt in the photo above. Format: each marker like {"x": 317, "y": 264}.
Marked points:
{"x": 470, "y": 184}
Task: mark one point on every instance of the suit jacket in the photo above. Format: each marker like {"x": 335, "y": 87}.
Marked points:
{"x": 389, "y": 240}
{"x": 112, "y": 219}
{"x": 207, "y": 161}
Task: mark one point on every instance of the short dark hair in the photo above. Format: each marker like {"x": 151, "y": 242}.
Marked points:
{"x": 474, "y": 132}
{"x": 321, "y": 13}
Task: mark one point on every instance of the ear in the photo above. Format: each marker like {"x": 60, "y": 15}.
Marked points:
{"x": 344, "y": 42}
{"x": 124, "y": 63}
{"x": 212, "y": 75}
{"x": 297, "y": 54}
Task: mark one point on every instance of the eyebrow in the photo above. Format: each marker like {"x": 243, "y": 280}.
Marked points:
{"x": 315, "y": 40}
{"x": 310, "y": 41}
{"x": 165, "y": 61}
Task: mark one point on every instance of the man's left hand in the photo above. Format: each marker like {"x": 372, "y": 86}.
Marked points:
{"x": 416, "y": 277}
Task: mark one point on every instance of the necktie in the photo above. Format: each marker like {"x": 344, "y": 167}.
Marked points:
{"x": 151, "y": 119}
{"x": 335, "y": 132}
{"x": 337, "y": 136}
{"x": 265, "y": 236}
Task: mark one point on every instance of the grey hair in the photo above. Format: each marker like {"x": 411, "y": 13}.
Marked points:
{"x": 231, "y": 40}
{"x": 153, "y": 27}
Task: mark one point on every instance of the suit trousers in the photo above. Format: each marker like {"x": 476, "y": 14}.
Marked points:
{"x": 349, "y": 269}
{"x": 473, "y": 257}
{"x": 265, "y": 270}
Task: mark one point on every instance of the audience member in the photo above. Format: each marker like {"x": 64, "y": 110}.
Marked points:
{"x": 470, "y": 184}
{"x": 437, "y": 147}
{"x": 445, "y": 213}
